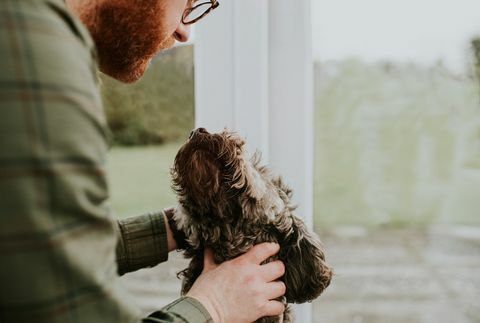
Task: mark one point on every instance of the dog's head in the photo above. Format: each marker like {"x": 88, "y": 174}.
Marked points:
{"x": 213, "y": 176}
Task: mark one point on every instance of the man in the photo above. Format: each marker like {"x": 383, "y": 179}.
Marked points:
{"x": 61, "y": 251}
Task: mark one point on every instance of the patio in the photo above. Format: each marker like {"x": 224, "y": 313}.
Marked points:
{"x": 382, "y": 276}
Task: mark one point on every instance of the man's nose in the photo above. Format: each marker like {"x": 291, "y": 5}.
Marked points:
{"x": 182, "y": 33}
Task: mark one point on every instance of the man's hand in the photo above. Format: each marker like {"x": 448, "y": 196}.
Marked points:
{"x": 241, "y": 289}
{"x": 172, "y": 244}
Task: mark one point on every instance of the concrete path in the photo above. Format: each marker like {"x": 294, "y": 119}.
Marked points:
{"x": 382, "y": 276}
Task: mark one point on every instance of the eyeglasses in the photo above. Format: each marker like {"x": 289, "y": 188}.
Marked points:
{"x": 197, "y": 12}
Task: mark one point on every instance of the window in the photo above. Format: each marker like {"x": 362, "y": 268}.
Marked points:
{"x": 398, "y": 160}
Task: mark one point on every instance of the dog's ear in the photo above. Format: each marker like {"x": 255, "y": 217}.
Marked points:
{"x": 203, "y": 183}
{"x": 306, "y": 272}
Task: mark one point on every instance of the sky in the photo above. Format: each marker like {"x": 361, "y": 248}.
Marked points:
{"x": 419, "y": 31}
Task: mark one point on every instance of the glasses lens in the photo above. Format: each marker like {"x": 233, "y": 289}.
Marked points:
{"x": 198, "y": 11}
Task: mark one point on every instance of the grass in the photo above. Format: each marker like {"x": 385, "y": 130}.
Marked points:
{"x": 139, "y": 178}
{"x": 394, "y": 146}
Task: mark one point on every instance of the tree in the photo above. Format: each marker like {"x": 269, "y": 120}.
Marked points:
{"x": 476, "y": 53}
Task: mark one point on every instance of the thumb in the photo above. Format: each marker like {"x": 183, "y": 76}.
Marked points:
{"x": 208, "y": 260}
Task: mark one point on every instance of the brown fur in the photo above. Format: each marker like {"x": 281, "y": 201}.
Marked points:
{"x": 230, "y": 203}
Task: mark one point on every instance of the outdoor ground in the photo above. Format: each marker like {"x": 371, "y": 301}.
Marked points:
{"x": 397, "y": 181}
{"x": 382, "y": 276}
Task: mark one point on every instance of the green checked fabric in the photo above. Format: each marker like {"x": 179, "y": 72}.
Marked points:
{"x": 61, "y": 252}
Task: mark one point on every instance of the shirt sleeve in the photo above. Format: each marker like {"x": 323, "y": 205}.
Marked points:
{"x": 185, "y": 309}
{"x": 142, "y": 242}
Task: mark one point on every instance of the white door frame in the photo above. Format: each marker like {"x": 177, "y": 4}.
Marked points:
{"x": 254, "y": 74}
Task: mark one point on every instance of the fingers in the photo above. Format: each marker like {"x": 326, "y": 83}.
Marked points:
{"x": 273, "y": 270}
{"x": 261, "y": 252}
{"x": 275, "y": 289}
{"x": 208, "y": 260}
{"x": 274, "y": 308}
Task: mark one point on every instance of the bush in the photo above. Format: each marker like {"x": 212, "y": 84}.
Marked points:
{"x": 476, "y": 56}
{"x": 157, "y": 109}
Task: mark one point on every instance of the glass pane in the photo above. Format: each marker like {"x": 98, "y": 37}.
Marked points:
{"x": 198, "y": 11}
{"x": 398, "y": 159}
{"x": 149, "y": 121}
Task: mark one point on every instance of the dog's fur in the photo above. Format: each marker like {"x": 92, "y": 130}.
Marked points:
{"x": 230, "y": 203}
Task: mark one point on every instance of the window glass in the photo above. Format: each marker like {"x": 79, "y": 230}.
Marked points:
{"x": 149, "y": 120}
{"x": 397, "y": 163}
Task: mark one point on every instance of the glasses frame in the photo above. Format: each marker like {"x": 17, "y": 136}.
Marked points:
{"x": 213, "y": 5}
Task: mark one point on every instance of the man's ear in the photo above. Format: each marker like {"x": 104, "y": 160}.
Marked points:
{"x": 306, "y": 273}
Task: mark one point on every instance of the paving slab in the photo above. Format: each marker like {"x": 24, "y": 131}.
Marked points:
{"x": 385, "y": 275}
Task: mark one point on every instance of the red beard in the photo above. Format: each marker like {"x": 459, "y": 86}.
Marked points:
{"x": 127, "y": 37}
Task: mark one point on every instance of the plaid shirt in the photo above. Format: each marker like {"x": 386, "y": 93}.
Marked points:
{"x": 61, "y": 252}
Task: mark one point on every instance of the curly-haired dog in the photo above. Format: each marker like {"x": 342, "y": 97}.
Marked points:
{"x": 230, "y": 203}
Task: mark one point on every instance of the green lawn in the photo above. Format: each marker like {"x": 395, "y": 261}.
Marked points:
{"x": 139, "y": 178}
{"x": 140, "y": 182}
{"x": 394, "y": 145}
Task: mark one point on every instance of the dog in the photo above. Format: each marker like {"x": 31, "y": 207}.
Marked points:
{"x": 229, "y": 203}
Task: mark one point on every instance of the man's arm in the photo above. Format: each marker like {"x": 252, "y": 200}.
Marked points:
{"x": 143, "y": 241}
{"x": 222, "y": 293}
{"x": 238, "y": 290}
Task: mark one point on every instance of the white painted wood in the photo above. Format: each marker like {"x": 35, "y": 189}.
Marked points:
{"x": 214, "y": 69}
{"x": 231, "y": 71}
{"x": 291, "y": 105}
{"x": 251, "y": 73}
{"x": 291, "y": 97}
{"x": 254, "y": 74}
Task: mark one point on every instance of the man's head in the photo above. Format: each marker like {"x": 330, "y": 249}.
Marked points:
{"x": 129, "y": 33}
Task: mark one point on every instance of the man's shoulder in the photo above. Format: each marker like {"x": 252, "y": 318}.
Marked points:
{"x": 49, "y": 90}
